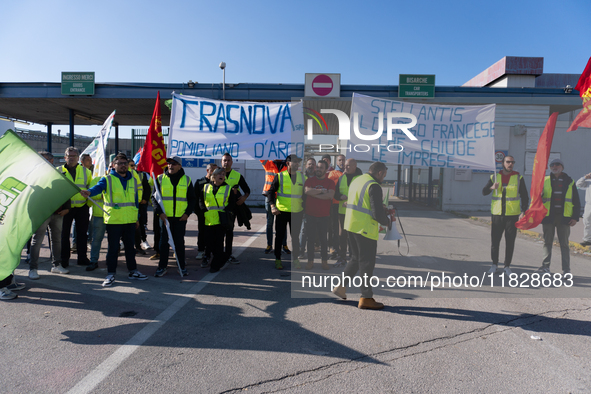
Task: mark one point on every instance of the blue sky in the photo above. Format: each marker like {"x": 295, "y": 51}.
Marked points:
{"x": 368, "y": 43}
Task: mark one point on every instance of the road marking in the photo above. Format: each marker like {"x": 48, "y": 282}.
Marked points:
{"x": 104, "y": 369}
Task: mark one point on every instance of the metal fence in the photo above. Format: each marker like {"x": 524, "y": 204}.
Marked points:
{"x": 138, "y": 138}
{"x": 420, "y": 192}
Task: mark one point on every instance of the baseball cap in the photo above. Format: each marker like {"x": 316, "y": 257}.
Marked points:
{"x": 174, "y": 158}
{"x": 556, "y": 161}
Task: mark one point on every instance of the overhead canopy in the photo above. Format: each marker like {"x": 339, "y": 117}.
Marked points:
{"x": 43, "y": 103}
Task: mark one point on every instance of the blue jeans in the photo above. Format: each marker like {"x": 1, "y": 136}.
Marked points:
{"x": 98, "y": 227}
{"x": 270, "y": 220}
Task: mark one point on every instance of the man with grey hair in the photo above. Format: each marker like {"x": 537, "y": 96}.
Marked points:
{"x": 54, "y": 223}
{"x": 81, "y": 177}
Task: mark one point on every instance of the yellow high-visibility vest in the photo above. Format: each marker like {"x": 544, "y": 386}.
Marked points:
{"x": 83, "y": 178}
{"x": 289, "y": 195}
{"x": 512, "y": 204}
{"x": 120, "y": 204}
{"x": 167, "y": 190}
{"x": 358, "y": 218}
{"x": 568, "y": 198}
{"x": 344, "y": 189}
{"x": 214, "y": 203}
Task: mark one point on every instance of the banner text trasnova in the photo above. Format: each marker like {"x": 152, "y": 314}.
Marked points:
{"x": 448, "y": 136}
{"x": 206, "y": 128}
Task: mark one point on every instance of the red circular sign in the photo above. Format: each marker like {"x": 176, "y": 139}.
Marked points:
{"x": 322, "y": 85}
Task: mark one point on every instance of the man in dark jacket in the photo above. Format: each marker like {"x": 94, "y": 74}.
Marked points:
{"x": 561, "y": 198}
{"x": 178, "y": 199}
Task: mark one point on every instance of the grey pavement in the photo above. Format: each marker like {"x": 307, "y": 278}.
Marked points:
{"x": 243, "y": 329}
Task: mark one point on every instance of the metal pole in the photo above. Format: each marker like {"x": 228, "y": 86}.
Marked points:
{"x": 116, "y": 138}
{"x": 224, "y": 85}
{"x": 49, "y": 137}
{"x": 71, "y": 127}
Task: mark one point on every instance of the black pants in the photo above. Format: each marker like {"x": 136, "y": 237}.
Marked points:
{"x": 81, "y": 216}
{"x": 215, "y": 241}
{"x": 333, "y": 241}
{"x": 317, "y": 232}
{"x": 156, "y": 227}
{"x": 140, "y": 233}
{"x": 363, "y": 259}
{"x": 343, "y": 238}
{"x": 230, "y": 237}
{"x": 500, "y": 225}
{"x": 177, "y": 229}
{"x": 295, "y": 224}
{"x": 116, "y": 232}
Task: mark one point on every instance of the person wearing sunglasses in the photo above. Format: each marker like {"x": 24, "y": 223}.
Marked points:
{"x": 561, "y": 199}
{"x": 509, "y": 203}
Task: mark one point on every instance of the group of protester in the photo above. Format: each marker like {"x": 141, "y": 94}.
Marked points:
{"x": 333, "y": 210}
{"x": 560, "y": 197}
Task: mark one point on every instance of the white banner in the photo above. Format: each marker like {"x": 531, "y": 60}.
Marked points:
{"x": 96, "y": 149}
{"x": 449, "y": 136}
{"x": 206, "y": 128}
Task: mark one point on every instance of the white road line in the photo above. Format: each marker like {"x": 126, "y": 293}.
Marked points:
{"x": 97, "y": 375}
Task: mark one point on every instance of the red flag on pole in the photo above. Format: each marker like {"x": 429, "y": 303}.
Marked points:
{"x": 583, "y": 119}
{"x": 153, "y": 157}
{"x": 536, "y": 212}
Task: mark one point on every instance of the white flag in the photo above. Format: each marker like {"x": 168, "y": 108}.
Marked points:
{"x": 96, "y": 149}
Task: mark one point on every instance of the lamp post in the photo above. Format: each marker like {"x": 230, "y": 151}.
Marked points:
{"x": 223, "y": 67}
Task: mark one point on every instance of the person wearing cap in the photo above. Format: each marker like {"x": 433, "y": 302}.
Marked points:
{"x": 561, "y": 198}
{"x": 178, "y": 202}
{"x": 285, "y": 199}
{"x": 509, "y": 202}
{"x": 236, "y": 181}
{"x": 585, "y": 183}
{"x": 120, "y": 201}
{"x": 364, "y": 212}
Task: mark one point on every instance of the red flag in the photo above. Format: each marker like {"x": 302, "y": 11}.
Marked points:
{"x": 153, "y": 158}
{"x": 536, "y": 212}
{"x": 583, "y": 119}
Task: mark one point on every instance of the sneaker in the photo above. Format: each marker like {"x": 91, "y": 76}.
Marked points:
{"x": 204, "y": 263}
{"x": 15, "y": 286}
{"x": 565, "y": 272}
{"x": 269, "y": 249}
{"x": 493, "y": 268}
{"x": 155, "y": 257}
{"x": 585, "y": 243}
{"x": 334, "y": 255}
{"x": 33, "y": 275}
{"x": 543, "y": 270}
{"x": 296, "y": 264}
{"x": 6, "y": 294}
{"x": 160, "y": 272}
{"x": 92, "y": 266}
{"x": 58, "y": 269}
{"x": 340, "y": 263}
{"x": 74, "y": 248}
{"x": 184, "y": 272}
{"x": 137, "y": 275}
{"x": 139, "y": 250}
{"x": 302, "y": 256}
{"x": 200, "y": 255}
{"x": 145, "y": 245}
{"x": 340, "y": 292}
{"x": 233, "y": 260}
{"x": 109, "y": 280}
{"x": 507, "y": 271}
{"x": 285, "y": 250}
{"x": 278, "y": 264}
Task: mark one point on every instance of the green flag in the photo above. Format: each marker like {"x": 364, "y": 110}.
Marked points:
{"x": 31, "y": 190}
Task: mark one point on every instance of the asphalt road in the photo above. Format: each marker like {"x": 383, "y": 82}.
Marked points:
{"x": 251, "y": 327}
